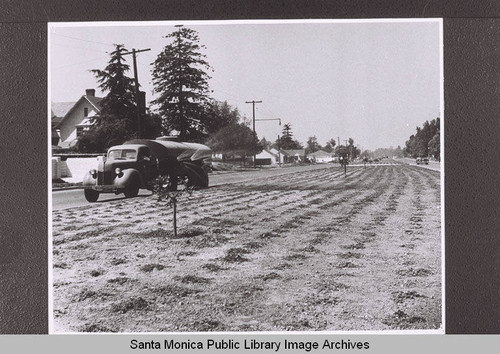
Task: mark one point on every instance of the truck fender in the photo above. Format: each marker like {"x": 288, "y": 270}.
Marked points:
{"x": 130, "y": 175}
{"x": 88, "y": 180}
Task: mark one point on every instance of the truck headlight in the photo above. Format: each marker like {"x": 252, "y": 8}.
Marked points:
{"x": 93, "y": 173}
{"x": 118, "y": 171}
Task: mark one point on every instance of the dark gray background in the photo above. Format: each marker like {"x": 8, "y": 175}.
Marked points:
{"x": 472, "y": 143}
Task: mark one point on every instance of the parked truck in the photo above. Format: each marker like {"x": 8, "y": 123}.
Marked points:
{"x": 137, "y": 163}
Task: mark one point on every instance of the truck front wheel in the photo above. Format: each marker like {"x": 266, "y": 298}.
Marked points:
{"x": 91, "y": 195}
{"x": 132, "y": 190}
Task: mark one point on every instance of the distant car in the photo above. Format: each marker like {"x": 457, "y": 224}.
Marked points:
{"x": 422, "y": 160}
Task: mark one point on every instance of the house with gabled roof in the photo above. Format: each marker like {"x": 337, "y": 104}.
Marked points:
{"x": 320, "y": 156}
{"x": 266, "y": 157}
{"x": 71, "y": 119}
{"x": 292, "y": 155}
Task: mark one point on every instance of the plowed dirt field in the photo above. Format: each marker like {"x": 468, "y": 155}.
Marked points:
{"x": 307, "y": 251}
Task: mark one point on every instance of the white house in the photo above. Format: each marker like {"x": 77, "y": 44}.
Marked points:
{"x": 266, "y": 157}
{"x": 71, "y": 119}
{"x": 320, "y": 156}
{"x": 292, "y": 156}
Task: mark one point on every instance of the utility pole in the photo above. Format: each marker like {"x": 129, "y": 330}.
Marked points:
{"x": 278, "y": 119}
{"x": 253, "y": 119}
{"x": 136, "y": 79}
{"x": 279, "y": 150}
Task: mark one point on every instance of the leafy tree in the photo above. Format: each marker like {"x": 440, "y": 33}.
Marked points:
{"x": 180, "y": 79}
{"x": 265, "y": 144}
{"x": 330, "y": 145}
{"x": 418, "y": 144}
{"x": 101, "y": 137}
{"x": 312, "y": 145}
{"x": 348, "y": 151}
{"x": 435, "y": 146}
{"x": 234, "y": 139}
{"x": 353, "y": 150}
{"x": 219, "y": 115}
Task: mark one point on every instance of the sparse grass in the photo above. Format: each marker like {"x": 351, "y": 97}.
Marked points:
{"x": 158, "y": 233}
{"x": 208, "y": 240}
{"x": 355, "y": 246}
{"x": 120, "y": 280}
{"x": 269, "y": 234}
{"x": 411, "y": 272}
{"x": 117, "y": 261}
{"x": 94, "y": 328}
{"x": 192, "y": 279}
{"x": 400, "y": 296}
{"x": 212, "y": 267}
{"x": 235, "y": 255}
{"x": 150, "y": 267}
{"x": 208, "y": 325}
{"x": 253, "y": 245}
{"x": 346, "y": 265}
{"x": 85, "y": 294}
{"x": 283, "y": 266}
{"x": 402, "y": 320}
{"x": 270, "y": 276}
{"x": 350, "y": 255}
{"x": 190, "y": 233}
{"x": 130, "y": 304}
{"x": 175, "y": 291}
{"x": 186, "y": 253}
{"x": 61, "y": 265}
{"x": 295, "y": 257}
{"x": 310, "y": 249}
{"x": 96, "y": 273}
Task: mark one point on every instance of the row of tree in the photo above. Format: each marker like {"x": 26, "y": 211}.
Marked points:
{"x": 426, "y": 141}
{"x": 182, "y": 106}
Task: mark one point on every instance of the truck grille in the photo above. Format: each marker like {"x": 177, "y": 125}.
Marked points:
{"x": 104, "y": 178}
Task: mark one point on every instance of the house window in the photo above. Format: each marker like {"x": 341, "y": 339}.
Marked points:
{"x": 79, "y": 132}
{"x": 85, "y": 112}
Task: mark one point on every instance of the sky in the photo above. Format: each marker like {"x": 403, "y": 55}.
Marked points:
{"x": 373, "y": 81}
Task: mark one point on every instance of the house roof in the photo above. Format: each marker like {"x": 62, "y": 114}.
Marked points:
{"x": 264, "y": 152}
{"x": 294, "y": 152}
{"x": 96, "y": 101}
{"x": 60, "y": 110}
{"x": 320, "y": 153}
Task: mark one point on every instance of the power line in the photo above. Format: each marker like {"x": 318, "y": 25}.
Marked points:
{"x": 255, "y": 137}
{"x": 83, "y": 40}
{"x": 82, "y": 62}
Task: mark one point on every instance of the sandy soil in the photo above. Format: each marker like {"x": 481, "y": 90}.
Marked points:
{"x": 312, "y": 251}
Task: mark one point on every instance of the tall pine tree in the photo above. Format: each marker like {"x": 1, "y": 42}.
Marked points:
{"x": 116, "y": 121}
{"x": 180, "y": 79}
{"x": 119, "y": 103}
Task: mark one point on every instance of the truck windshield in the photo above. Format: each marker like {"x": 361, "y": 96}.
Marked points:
{"x": 126, "y": 154}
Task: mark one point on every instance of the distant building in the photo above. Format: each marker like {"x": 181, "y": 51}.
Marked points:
{"x": 320, "y": 156}
{"x": 293, "y": 156}
{"x": 71, "y": 119}
{"x": 266, "y": 157}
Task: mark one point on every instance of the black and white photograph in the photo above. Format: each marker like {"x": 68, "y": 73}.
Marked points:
{"x": 246, "y": 176}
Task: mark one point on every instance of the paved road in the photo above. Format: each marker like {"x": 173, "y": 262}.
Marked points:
{"x": 433, "y": 165}
{"x": 74, "y": 198}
